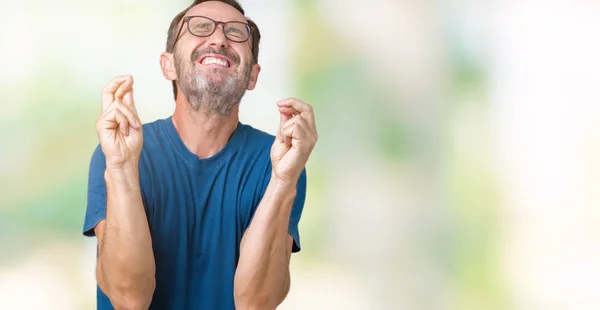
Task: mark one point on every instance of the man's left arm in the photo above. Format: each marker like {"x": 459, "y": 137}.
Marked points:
{"x": 262, "y": 278}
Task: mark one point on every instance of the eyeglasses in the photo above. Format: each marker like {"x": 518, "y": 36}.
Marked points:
{"x": 202, "y": 26}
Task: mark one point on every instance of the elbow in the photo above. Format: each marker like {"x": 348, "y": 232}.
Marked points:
{"x": 131, "y": 296}
{"x": 127, "y": 292}
{"x": 129, "y": 304}
{"x": 256, "y": 303}
{"x": 260, "y": 300}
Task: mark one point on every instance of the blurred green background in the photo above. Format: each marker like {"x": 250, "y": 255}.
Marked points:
{"x": 457, "y": 166}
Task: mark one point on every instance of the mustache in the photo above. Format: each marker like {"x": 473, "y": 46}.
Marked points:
{"x": 210, "y": 50}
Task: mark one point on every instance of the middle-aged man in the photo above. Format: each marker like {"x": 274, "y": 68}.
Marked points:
{"x": 198, "y": 211}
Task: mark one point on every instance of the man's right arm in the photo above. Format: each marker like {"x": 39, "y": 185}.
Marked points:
{"x": 126, "y": 268}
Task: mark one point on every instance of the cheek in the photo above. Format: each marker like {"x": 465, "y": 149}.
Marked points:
{"x": 190, "y": 50}
{"x": 180, "y": 56}
{"x": 244, "y": 53}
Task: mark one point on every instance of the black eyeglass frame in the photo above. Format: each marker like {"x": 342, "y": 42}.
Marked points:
{"x": 216, "y": 23}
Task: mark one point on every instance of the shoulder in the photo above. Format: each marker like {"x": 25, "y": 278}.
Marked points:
{"x": 156, "y": 139}
{"x": 153, "y": 129}
{"x": 256, "y": 149}
{"x": 256, "y": 138}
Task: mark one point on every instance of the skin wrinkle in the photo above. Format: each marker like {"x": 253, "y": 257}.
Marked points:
{"x": 206, "y": 115}
{"x": 206, "y": 91}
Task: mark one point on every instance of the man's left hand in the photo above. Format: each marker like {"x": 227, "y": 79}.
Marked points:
{"x": 295, "y": 140}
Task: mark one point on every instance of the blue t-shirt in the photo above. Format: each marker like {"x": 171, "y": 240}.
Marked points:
{"x": 197, "y": 210}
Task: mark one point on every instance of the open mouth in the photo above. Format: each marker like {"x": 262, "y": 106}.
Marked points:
{"x": 215, "y": 60}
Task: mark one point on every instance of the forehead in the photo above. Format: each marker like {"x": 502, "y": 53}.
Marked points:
{"x": 218, "y": 11}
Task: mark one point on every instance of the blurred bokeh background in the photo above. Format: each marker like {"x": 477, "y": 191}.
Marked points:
{"x": 458, "y": 165}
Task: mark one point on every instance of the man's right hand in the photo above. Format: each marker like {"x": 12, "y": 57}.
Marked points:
{"x": 119, "y": 127}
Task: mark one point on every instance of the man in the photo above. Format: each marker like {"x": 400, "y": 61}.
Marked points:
{"x": 198, "y": 211}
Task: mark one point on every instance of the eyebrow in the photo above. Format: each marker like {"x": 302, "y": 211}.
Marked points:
{"x": 238, "y": 21}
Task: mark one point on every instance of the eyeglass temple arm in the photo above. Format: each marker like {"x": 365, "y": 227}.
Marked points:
{"x": 184, "y": 20}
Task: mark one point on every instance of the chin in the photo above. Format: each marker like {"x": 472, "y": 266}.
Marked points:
{"x": 213, "y": 83}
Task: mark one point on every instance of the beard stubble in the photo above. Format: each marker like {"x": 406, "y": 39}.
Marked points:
{"x": 205, "y": 90}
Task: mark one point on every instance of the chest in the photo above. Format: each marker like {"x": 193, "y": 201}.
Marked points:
{"x": 201, "y": 210}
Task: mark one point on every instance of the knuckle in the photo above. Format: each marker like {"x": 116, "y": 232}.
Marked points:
{"x": 108, "y": 109}
{"x": 118, "y": 105}
{"x": 118, "y": 78}
{"x": 100, "y": 118}
{"x": 103, "y": 115}
{"x": 125, "y": 110}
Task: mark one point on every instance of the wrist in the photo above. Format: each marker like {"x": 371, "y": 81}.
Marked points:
{"x": 125, "y": 175}
{"x": 130, "y": 165}
{"x": 283, "y": 184}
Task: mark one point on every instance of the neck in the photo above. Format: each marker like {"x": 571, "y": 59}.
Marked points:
{"x": 202, "y": 132}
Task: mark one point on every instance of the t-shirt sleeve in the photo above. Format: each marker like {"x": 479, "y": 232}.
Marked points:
{"x": 96, "y": 194}
{"x": 297, "y": 211}
{"x": 297, "y": 207}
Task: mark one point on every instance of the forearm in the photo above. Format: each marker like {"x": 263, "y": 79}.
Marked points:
{"x": 126, "y": 260}
{"x": 262, "y": 275}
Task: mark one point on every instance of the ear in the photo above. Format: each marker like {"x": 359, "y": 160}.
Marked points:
{"x": 253, "y": 76}
{"x": 167, "y": 66}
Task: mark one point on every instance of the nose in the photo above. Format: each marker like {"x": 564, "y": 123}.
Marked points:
{"x": 218, "y": 39}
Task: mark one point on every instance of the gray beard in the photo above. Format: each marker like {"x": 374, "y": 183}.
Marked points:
{"x": 209, "y": 96}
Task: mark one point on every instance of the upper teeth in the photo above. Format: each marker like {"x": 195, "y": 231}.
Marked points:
{"x": 212, "y": 60}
